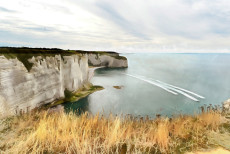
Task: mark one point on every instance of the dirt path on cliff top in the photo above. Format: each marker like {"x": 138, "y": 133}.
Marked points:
{"x": 216, "y": 151}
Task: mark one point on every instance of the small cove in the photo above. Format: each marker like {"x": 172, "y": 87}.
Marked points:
{"x": 203, "y": 74}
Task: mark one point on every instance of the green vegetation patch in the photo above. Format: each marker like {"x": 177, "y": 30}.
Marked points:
{"x": 75, "y": 96}
{"x": 24, "y": 54}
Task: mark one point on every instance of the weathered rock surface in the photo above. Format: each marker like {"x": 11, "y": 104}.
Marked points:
{"x": 44, "y": 83}
{"x": 112, "y": 60}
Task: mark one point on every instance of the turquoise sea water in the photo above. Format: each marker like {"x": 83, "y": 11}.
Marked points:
{"x": 207, "y": 75}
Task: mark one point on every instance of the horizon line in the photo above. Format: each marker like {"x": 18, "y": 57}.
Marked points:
{"x": 129, "y": 52}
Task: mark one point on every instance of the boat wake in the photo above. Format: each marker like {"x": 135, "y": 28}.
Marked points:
{"x": 153, "y": 83}
{"x": 170, "y": 88}
{"x": 190, "y": 92}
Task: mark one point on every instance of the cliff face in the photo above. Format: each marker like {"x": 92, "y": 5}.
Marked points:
{"x": 44, "y": 83}
{"x": 30, "y": 78}
{"x": 108, "y": 60}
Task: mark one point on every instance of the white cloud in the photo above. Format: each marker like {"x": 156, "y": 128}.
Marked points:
{"x": 124, "y": 26}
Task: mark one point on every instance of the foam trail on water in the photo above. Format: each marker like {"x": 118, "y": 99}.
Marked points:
{"x": 175, "y": 87}
{"x": 170, "y": 88}
{"x": 179, "y": 90}
{"x": 183, "y": 93}
{"x": 153, "y": 83}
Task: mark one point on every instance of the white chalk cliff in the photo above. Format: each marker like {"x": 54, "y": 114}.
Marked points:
{"x": 46, "y": 81}
{"x": 107, "y": 60}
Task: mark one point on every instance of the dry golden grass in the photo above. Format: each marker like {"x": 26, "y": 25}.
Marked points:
{"x": 68, "y": 133}
{"x": 210, "y": 119}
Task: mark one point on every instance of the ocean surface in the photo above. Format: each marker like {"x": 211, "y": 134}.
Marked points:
{"x": 166, "y": 84}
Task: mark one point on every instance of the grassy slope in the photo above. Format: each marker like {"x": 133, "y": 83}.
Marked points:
{"x": 67, "y": 133}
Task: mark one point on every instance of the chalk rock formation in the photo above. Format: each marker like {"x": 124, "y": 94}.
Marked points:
{"x": 108, "y": 60}
{"x": 44, "y": 83}
{"x": 31, "y": 77}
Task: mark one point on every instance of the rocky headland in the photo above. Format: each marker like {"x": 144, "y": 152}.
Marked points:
{"x": 32, "y": 77}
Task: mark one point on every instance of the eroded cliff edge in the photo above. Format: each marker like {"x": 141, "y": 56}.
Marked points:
{"x": 31, "y": 77}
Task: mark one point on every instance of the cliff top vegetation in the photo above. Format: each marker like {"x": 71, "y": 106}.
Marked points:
{"x": 28, "y": 50}
{"x": 25, "y": 53}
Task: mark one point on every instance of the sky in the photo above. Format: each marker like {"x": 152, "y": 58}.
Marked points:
{"x": 125, "y": 26}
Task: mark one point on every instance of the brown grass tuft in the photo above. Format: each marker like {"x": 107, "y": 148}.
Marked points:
{"x": 210, "y": 119}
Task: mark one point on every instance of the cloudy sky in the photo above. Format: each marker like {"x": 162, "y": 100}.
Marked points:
{"x": 118, "y": 25}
